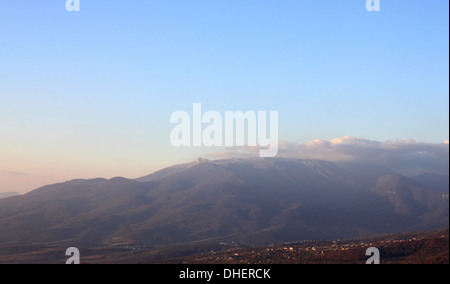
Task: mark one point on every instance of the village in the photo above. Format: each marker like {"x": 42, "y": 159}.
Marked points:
{"x": 393, "y": 249}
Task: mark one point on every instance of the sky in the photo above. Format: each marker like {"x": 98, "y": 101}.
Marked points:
{"x": 90, "y": 94}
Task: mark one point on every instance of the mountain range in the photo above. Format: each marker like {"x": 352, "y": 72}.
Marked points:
{"x": 244, "y": 201}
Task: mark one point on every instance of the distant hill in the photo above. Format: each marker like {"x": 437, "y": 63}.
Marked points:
{"x": 8, "y": 194}
{"x": 432, "y": 181}
{"x": 254, "y": 202}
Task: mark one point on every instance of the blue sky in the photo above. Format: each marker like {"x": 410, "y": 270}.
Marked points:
{"x": 92, "y": 92}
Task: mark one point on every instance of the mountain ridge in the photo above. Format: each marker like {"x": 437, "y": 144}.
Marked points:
{"x": 242, "y": 200}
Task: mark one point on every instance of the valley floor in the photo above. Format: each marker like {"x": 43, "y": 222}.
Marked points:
{"x": 431, "y": 247}
{"x": 415, "y": 248}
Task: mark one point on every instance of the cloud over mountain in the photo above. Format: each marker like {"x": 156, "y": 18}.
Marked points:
{"x": 407, "y": 157}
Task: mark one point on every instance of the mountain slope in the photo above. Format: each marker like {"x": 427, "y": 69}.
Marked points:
{"x": 432, "y": 181}
{"x": 255, "y": 201}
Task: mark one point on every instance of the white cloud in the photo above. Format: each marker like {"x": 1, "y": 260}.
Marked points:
{"x": 407, "y": 157}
